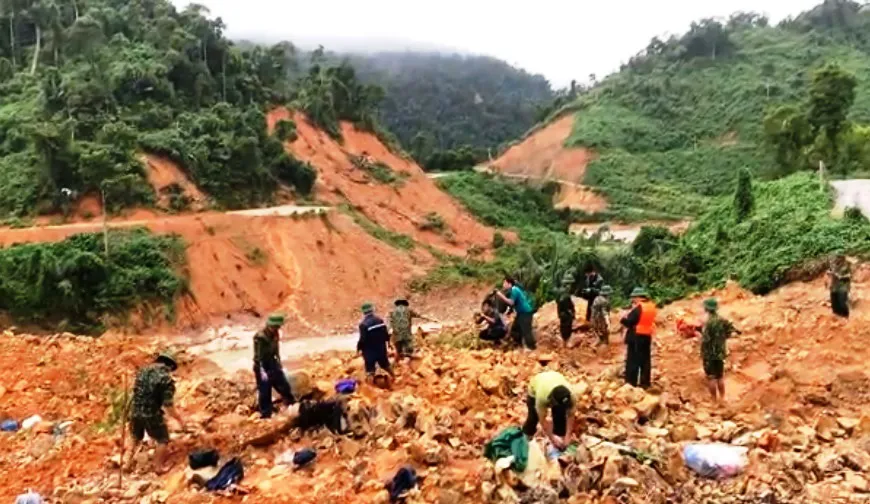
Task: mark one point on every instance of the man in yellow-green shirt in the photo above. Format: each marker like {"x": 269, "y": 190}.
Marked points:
{"x": 550, "y": 391}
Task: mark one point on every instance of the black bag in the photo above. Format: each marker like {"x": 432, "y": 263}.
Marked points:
{"x": 203, "y": 458}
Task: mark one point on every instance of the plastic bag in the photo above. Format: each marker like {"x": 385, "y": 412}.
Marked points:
{"x": 715, "y": 460}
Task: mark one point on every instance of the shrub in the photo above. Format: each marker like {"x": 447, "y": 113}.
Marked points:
{"x": 74, "y": 281}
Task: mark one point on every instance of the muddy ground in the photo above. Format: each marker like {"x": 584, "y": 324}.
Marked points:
{"x": 797, "y": 396}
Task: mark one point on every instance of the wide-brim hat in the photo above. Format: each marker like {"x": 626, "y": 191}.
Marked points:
{"x": 607, "y": 290}
{"x": 168, "y": 359}
{"x": 275, "y": 320}
{"x": 367, "y": 308}
{"x": 639, "y": 292}
{"x": 711, "y": 304}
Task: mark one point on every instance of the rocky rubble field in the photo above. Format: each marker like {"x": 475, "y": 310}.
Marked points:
{"x": 797, "y": 404}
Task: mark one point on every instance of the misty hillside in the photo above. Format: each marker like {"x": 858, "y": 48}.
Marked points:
{"x": 437, "y": 101}
{"x": 674, "y": 126}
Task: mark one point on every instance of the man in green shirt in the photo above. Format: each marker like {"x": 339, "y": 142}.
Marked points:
{"x": 714, "y": 334}
{"x": 267, "y": 366}
{"x": 550, "y": 391}
{"x": 154, "y": 391}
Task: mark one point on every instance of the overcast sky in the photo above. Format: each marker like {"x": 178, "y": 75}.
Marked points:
{"x": 561, "y": 39}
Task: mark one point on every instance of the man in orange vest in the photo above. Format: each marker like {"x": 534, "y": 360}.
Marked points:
{"x": 640, "y": 324}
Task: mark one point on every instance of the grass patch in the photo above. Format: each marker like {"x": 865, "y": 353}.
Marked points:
{"x": 379, "y": 171}
{"x": 397, "y": 240}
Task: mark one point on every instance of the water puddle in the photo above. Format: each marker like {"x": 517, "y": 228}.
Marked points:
{"x": 231, "y": 348}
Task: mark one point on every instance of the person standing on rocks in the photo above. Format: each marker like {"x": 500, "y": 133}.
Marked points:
{"x": 840, "y": 282}
{"x": 373, "y": 341}
{"x": 565, "y": 308}
{"x": 154, "y": 391}
{"x": 521, "y": 329}
{"x": 550, "y": 392}
{"x": 401, "y": 325}
{"x": 640, "y": 325}
{"x": 267, "y": 366}
{"x": 715, "y": 332}
{"x": 601, "y": 316}
{"x": 592, "y": 287}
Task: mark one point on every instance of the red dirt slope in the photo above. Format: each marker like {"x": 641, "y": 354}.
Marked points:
{"x": 543, "y": 156}
{"x": 162, "y": 173}
{"x": 321, "y": 267}
{"x": 401, "y": 209}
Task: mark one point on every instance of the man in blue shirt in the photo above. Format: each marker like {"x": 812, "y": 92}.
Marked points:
{"x": 519, "y": 301}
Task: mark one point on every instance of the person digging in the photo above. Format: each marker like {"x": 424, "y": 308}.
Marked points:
{"x": 550, "y": 392}
{"x": 714, "y": 334}
{"x": 267, "y": 366}
{"x": 373, "y": 341}
{"x": 153, "y": 392}
{"x": 401, "y": 325}
{"x": 491, "y": 322}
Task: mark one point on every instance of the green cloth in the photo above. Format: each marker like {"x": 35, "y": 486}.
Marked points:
{"x": 542, "y": 385}
{"x": 716, "y": 331}
{"x": 509, "y": 442}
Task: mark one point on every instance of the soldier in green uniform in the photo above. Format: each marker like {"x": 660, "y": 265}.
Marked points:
{"x": 714, "y": 334}
{"x": 401, "y": 323}
{"x": 267, "y": 366}
{"x": 601, "y": 315}
{"x": 565, "y": 308}
{"x": 840, "y": 283}
{"x": 153, "y": 392}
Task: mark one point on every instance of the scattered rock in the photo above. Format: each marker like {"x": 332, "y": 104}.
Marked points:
{"x": 857, "y": 483}
{"x": 610, "y": 473}
{"x": 448, "y": 496}
{"x": 683, "y": 432}
{"x": 625, "y": 482}
{"x": 848, "y": 424}
{"x": 825, "y": 427}
{"x": 648, "y": 406}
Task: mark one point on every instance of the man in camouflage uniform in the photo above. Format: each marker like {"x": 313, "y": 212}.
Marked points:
{"x": 601, "y": 315}
{"x": 267, "y": 366}
{"x": 565, "y": 308}
{"x": 401, "y": 324}
{"x": 714, "y": 334}
{"x": 153, "y": 392}
{"x": 840, "y": 283}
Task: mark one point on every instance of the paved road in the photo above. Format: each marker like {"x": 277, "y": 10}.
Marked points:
{"x": 853, "y": 193}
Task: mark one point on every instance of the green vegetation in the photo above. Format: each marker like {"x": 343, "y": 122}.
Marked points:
{"x": 397, "y": 240}
{"x": 499, "y": 202}
{"x": 444, "y": 107}
{"x": 680, "y": 120}
{"x": 88, "y": 84}
{"x": 379, "y": 171}
{"x": 74, "y": 284}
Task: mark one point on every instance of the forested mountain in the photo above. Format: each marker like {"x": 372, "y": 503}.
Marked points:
{"x": 679, "y": 120}
{"x": 85, "y": 84}
{"x": 438, "y": 102}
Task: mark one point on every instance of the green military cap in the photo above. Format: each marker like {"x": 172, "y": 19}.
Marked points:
{"x": 711, "y": 304}
{"x": 368, "y": 308}
{"x": 275, "y": 320}
{"x": 607, "y": 290}
{"x": 639, "y": 292}
{"x": 167, "y": 358}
